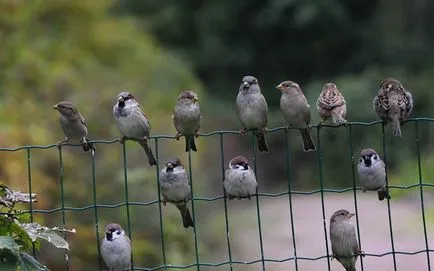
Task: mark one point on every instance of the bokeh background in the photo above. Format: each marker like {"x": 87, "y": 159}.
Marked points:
{"x": 88, "y": 51}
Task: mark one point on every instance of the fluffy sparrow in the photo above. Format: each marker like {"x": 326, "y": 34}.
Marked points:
{"x": 73, "y": 125}
{"x": 252, "y": 110}
{"x": 372, "y": 173}
{"x": 296, "y": 110}
{"x": 331, "y": 103}
{"x": 116, "y": 248}
{"x": 186, "y": 118}
{"x": 345, "y": 247}
{"x": 175, "y": 188}
{"x": 240, "y": 180}
{"x": 393, "y": 103}
{"x": 133, "y": 123}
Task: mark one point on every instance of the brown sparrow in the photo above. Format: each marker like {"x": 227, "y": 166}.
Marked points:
{"x": 252, "y": 110}
{"x": 331, "y": 103}
{"x": 393, "y": 103}
{"x": 186, "y": 118}
{"x": 296, "y": 110}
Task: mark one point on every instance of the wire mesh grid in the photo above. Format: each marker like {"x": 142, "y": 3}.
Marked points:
{"x": 230, "y": 263}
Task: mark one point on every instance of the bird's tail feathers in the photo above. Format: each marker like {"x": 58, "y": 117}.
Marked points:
{"x": 148, "y": 150}
{"x": 383, "y": 194}
{"x": 262, "y": 143}
{"x": 189, "y": 143}
{"x": 187, "y": 220}
{"x": 308, "y": 144}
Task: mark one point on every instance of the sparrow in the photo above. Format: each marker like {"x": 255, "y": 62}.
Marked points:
{"x": 116, "y": 248}
{"x": 252, "y": 110}
{"x": 175, "y": 188}
{"x": 393, "y": 103}
{"x": 372, "y": 173}
{"x": 296, "y": 111}
{"x": 133, "y": 123}
{"x": 73, "y": 125}
{"x": 240, "y": 180}
{"x": 345, "y": 247}
{"x": 186, "y": 118}
{"x": 331, "y": 103}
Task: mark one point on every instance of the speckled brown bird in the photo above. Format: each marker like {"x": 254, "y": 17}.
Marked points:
{"x": 393, "y": 103}
{"x": 331, "y": 104}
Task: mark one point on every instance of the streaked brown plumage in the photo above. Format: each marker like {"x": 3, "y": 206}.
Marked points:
{"x": 393, "y": 103}
{"x": 331, "y": 104}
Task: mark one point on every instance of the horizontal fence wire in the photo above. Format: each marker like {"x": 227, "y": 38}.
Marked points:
{"x": 419, "y": 182}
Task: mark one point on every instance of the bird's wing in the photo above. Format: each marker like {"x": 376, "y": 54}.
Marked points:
{"x": 144, "y": 115}
{"x": 82, "y": 120}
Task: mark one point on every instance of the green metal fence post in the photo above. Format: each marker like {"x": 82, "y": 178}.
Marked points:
{"x": 253, "y": 149}
{"x": 127, "y": 202}
{"x": 62, "y": 198}
{"x": 388, "y": 200}
{"x": 350, "y": 135}
{"x": 422, "y": 205}
{"x": 225, "y": 200}
{"x": 288, "y": 179}
{"x": 319, "y": 155}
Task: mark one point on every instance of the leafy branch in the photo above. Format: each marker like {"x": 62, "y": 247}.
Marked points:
{"x": 17, "y": 234}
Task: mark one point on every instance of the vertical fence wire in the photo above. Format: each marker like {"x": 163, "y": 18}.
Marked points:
{"x": 127, "y": 201}
{"x": 29, "y": 174}
{"x": 422, "y": 205}
{"x": 258, "y": 212}
{"x": 225, "y": 200}
{"x": 163, "y": 251}
{"x": 350, "y": 135}
{"x": 321, "y": 183}
{"x": 95, "y": 209}
{"x": 392, "y": 243}
{"x": 288, "y": 179}
{"x": 62, "y": 198}
{"x": 196, "y": 245}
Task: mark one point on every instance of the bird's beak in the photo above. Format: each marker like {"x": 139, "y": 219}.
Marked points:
{"x": 351, "y": 215}
{"x": 195, "y": 99}
{"x": 55, "y": 107}
{"x": 120, "y": 99}
{"x": 246, "y": 84}
{"x": 279, "y": 87}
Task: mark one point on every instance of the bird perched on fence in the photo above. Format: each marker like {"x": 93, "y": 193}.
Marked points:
{"x": 393, "y": 103}
{"x": 133, "y": 123}
{"x": 186, "y": 118}
{"x": 331, "y": 104}
{"x": 296, "y": 111}
{"x": 252, "y": 110}
{"x": 116, "y": 248}
{"x": 345, "y": 247}
{"x": 372, "y": 173}
{"x": 175, "y": 188}
{"x": 73, "y": 125}
{"x": 240, "y": 180}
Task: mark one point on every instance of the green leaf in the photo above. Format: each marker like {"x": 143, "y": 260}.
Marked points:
{"x": 7, "y": 242}
{"x": 9, "y": 253}
{"x": 28, "y": 263}
{"x": 34, "y": 230}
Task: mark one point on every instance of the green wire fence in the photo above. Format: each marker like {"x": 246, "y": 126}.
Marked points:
{"x": 231, "y": 262}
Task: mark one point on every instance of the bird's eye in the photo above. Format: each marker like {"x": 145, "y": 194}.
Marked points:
{"x": 118, "y": 232}
{"x": 375, "y": 157}
{"x": 361, "y": 160}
